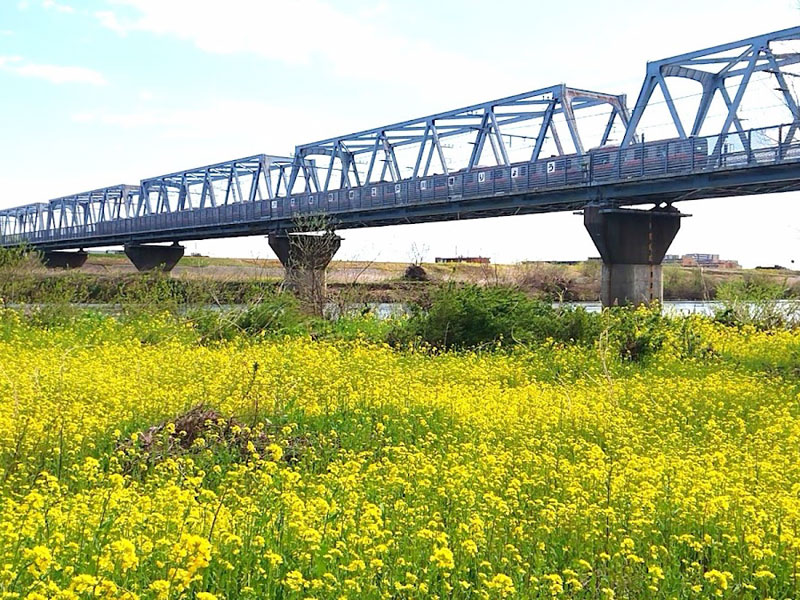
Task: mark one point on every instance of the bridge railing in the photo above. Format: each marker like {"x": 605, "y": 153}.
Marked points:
{"x": 609, "y": 165}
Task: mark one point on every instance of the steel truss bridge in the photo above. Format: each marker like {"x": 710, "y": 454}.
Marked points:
{"x": 527, "y": 153}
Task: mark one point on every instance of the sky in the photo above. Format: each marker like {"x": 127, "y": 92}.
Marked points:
{"x": 100, "y": 92}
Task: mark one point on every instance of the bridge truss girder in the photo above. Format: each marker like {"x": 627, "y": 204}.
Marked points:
{"x": 727, "y": 70}
{"x": 93, "y": 207}
{"x": 76, "y": 210}
{"x": 260, "y": 177}
{"x": 482, "y": 125}
{"x": 23, "y": 219}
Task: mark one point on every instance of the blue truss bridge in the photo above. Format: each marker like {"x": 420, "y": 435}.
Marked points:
{"x": 717, "y": 122}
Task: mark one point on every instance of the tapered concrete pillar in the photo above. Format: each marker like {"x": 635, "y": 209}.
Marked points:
{"x": 305, "y": 259}
{"x": 56, "y": 259}
{"x": 632, "y": 244}
{"x": 147, "y": 257}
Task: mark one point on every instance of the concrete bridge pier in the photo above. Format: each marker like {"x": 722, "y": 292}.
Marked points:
{"x": 305, "y": 258}
{"x": 57, "y": 259}
{"x": 148, "y": 257}
{"x": 632, "y": 244}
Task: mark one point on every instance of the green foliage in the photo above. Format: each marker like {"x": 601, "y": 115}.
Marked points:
{"x": 756, "y": 301}
{"x": 636, "y": 334}
{"x": 276, "y": 313}
{"x": 154, "y": 291}
{"x": 15, "y": 256}
{"x": 472, "y": 316}
{"x": 363, "y": 326}
{"x": 681, "y": 283}
{"x": 279, "y": 313}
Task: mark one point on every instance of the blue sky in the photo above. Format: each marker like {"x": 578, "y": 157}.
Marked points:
{"x": 98, "y": 92}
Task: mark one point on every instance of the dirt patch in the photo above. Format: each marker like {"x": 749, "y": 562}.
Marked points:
{"x": 203, "y": 427}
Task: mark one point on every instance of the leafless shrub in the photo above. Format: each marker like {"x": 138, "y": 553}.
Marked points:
{"x": 546, "y": 279}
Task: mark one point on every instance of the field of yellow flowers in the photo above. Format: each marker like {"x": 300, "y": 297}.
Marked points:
{"x": 347, "y": 469}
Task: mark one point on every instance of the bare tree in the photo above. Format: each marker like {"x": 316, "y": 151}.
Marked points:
{"x": 308, "y": 252}
{"x": 417, "y": 253}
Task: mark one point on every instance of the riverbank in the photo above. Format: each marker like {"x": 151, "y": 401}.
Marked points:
{"x": 111, "y": 277}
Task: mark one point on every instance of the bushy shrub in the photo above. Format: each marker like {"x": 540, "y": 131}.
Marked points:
{"x": 471, "y": 316}
{"x": 681, "y": 283}
{"x": 756, "y": 301}
{"x": 415, "y": 273}
{"x": 550, "y": 281}
{"x": 278, "y": 314}
{"x": 16, "y": 256}
{"x": 636, "y": 334}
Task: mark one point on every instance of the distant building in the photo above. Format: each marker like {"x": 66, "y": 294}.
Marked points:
{"x": 712, "y": 261}
{"x": 551, "y": 262}
{"x": 482, "y": 260}
{"x": 700, "y": 259}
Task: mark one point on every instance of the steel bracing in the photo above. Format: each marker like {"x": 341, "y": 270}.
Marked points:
{"x": 555, "y": 148}
{"x": 723, "y": 73}
{"x": 488, "y": 128}
{"x": 69, "y": 212}
{"x": 260, "y": 177}
{"x": 255, "y": 178}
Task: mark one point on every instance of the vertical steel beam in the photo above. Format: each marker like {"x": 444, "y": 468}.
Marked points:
{"x": 569, "y": 115}
{"x": 500, "y": 145}
{"x": 477, "y": 149}
{"x": 641, "y": 103}
{"x": 734, "y": 107}
{"x": 710, "y": 87}
{"x": 547, "y": 119}
{"x": 438, "y": 144}
{"x": 676, "y": 119}
{"x": 421, "y": 151}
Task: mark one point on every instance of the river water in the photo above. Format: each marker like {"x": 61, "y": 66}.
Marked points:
{"x": 671, "y": 307}
{"x": 385, "y": 310}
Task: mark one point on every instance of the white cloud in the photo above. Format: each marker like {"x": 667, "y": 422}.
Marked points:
{"x": 109, "y": 20}
{"x": 51, "y": 73}
{"x": 8, "y": 60}
{"x": 83, "y": 117}
{"x": 5, "y": 32}
{"x": 351, "y": 45}
{"x": 56, "y": 6}
{"x": 217, "y": 130}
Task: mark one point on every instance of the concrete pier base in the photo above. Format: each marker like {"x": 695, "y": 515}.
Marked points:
{"x": 147, "y": 257}
{"x": 57, "y": 259}
{"x": 305, "y": 258}
{"x": 632, "y": 244}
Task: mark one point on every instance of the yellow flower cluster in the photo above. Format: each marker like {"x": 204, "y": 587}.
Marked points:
{"x": 551, "y": 472}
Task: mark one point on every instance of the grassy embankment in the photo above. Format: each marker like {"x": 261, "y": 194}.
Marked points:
{"x": 202, "y": 280}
